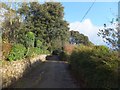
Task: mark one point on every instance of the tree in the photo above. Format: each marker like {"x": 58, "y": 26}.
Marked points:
{"x": 10, "y": 23}
{"x": 78, "y": 38}
{"x": 46, "y": 21}
{"x": 111, "y": 35}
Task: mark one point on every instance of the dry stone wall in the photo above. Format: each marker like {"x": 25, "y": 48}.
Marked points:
{"x": 12, "y": 71}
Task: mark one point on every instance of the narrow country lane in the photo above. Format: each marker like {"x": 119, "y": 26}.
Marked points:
{"x": 50, "y": 74}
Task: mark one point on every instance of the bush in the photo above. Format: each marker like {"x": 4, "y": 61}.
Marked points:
{"x": 39, "y": 44}
{"x": 68, "y": 48}
{"x": 32, "y": 51}
{"x": 30, "y": 39}
{"x": 6, "y": 48}
{"x": 101, "y": 50}
{"x": 17, "y": 52}
{"x": 97, "y": 65}
{"x": 63, "y": 56}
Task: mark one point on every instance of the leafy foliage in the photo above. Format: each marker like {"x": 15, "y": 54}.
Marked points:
{"x": 30, "y": 39}
{"x": 63, "y": 56}
{"x": 41, "y": 28}
{"x": 17, "y": 52}
{"x": 78, "y": 38}
{"x": 6, "y": 48}
{"x": 38, "y": 44}
{"x": 111, "y": 35}
{"x": 69, "y": 48}
{"x": 33, "y": 51}
{"x": 10, "y": 29}
{"x": 46, "y": 21}
{"x": 96, "y": 65}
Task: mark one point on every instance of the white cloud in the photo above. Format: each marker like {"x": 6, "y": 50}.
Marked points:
{"x": 87, "y": 28}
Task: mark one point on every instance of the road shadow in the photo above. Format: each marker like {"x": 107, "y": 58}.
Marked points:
{"x": 28, "y": 70}
{"x": 53, "y": 58}
{"x": 38, "y": 72}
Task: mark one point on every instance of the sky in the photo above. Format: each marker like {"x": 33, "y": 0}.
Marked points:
{"x": 100, "y": 13}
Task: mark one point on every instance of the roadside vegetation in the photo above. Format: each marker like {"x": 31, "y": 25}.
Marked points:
{"x": 96, "y": 66}
{"x": 34, "y": 29}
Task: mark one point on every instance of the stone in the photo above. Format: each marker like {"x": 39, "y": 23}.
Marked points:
{"x": 14, "y": 70}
